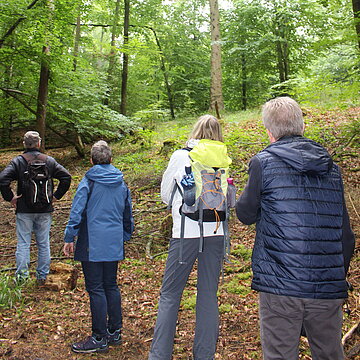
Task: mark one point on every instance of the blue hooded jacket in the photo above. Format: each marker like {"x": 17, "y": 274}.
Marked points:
{"x": 298, "y": 249}
{"x": 101, "y": 215}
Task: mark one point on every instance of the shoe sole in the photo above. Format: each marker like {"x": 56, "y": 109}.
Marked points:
{"x": 89, "y": 351}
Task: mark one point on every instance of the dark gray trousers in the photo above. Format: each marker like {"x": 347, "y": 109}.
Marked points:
{"x": 281, "y": 320}
{"x": 174, "y": 281}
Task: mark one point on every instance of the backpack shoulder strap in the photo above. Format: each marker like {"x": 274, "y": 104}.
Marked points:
{"x": 187, "y": 148}
{"x": 176, "y": 187}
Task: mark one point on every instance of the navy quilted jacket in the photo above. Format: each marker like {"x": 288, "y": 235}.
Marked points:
{"x": 298, "y": 248}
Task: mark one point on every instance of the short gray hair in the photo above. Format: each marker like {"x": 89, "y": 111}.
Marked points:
{"x": 101, "y": 153}
{"x": 31, "y": 139}
{"x": 207, "y": 127}
{"x": 282, "y": 116}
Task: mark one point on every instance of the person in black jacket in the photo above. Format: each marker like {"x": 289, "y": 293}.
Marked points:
{"x": 30, "y": 218}
{"x": 303, "y": 241}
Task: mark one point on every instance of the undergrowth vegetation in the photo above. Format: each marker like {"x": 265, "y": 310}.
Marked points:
{"x": 143, "y": 157}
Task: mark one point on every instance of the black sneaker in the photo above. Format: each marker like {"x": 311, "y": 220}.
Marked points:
{"x": 114, "y": 338}
{"x": 90, "y": 345}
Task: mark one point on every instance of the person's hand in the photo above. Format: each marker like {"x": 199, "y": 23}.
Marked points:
{"x": 68, "y": 249}
{"x": 13, "y": 201}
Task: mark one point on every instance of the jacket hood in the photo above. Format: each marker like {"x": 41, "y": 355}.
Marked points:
{"x": 105, "y": 174}
{"x": 304, "y": 155}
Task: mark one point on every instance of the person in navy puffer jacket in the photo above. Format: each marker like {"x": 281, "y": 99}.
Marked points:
{"x": 303, "y": 241}
{"x": 101, "y": 219}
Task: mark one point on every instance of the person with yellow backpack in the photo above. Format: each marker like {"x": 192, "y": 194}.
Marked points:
{"x": 195, "y": 186}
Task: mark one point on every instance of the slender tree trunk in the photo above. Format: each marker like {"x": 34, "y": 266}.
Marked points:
{"x": 216, "y": 96}
{"x": 124, "y": 77}
{"x": 42, "y": 96}
{"x": 244, "y": 81}
{"x": 112, "y": 55}
{"x": 280, "y": 62}
{"x": 77, "y": 41}
{"x": 163, "y": 69}
{"x": 166, "y": 77}
{"x": 44, "y": 81}
{"x": 8, "y": 118}
{"x": 79, "y": 146}
{"x": 356, "y": 9}
{"x": 282, "y": 51}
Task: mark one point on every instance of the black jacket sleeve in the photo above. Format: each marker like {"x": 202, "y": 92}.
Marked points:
{"x": 8, "y": 175}
{"x": 248, "y": 205}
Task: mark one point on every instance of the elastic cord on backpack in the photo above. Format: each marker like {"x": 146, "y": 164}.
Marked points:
{"x": 201, "y": 227}
{"x": 217, "y": 218}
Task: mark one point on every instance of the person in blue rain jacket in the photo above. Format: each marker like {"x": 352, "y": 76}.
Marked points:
{"x": 101, "y": 220}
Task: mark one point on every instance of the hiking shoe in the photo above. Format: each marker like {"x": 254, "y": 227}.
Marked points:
{"x": 114, "y": 338}
{"x": 90, "y": 345}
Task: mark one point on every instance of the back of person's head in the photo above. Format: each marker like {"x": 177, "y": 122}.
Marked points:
{"x": 101, "y": 153}
{"x": 282, "y": 116}
{"x": 32, "y": 140}
{"x": 207, "y": 127}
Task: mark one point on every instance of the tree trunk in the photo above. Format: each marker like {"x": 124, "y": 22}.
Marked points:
{"x": 42, "y": 96}
{"x": 44, "y": 81}
{"x": 166, "y": 77}
{"x": 112, "y": 55}
{"x": 244, "y": 81}
{"x": 356, "y": 9}
{"x": 77, "y": 41}
{"x": 216, "y": 96}
{"x": 124, "y": 76}
{"x": 8, "y": 118}
{"x": 163, "y": 69}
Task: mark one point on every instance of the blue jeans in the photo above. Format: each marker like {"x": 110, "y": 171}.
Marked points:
{"x": 39, "y": 224}
{"x": 104, "y": 293}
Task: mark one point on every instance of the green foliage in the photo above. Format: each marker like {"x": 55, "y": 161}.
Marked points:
{"x": 10, "y": 292}
{"x": 332, "y": 80}
{"x": 242, "y": 252}
{"x": 188, "y": 300}
{"x": 226, "y": 308}
{"x": 235, "y": 286}
{"x": 170, "y": 40}
{"x": 151, "y": 116}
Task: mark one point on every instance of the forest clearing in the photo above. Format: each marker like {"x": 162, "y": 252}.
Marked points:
{"x": 43, "y": 323}
{"x": 138, "y": 73}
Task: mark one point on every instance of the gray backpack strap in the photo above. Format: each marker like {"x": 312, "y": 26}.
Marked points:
{"x": 182, "y": 233}
{"x": 176, "y": 187}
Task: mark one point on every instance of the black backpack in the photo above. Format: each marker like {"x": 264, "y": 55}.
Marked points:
{"x": 38, "y": 184}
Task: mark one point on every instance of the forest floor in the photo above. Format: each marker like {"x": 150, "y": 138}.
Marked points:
{"x": 45, "y": 323}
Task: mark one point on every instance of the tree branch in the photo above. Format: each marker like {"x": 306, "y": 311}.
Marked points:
{"x": 17, "y": 22}
{"x": 11, "y": 93}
